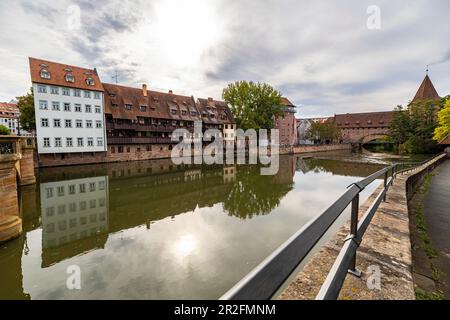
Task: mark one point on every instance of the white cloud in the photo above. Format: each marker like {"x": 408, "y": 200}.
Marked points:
{"x": 320, "y": 54}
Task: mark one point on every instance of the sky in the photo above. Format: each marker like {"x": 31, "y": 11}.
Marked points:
{"x": 327, "y": 57}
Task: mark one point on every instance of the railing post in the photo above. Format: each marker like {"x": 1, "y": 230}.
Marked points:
{"x": 385, "y": 185}
{"x": 354, "y": 234}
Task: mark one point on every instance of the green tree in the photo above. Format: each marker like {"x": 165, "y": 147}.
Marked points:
{"x": 254, "y": 105}
{"x": 400, "y": 127}
{"x": 4, "y": 131}
{"x": 324, "y": 132}
{"x": 26, "y": 107}
{"x": 443, "y": 128}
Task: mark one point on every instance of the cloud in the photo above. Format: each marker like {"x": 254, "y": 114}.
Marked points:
{"x": 319, "y": 54}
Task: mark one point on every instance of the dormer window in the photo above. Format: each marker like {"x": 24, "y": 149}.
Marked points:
{"x": 183, "y": 112}
{"x": 90, "y": 81}
{"x": 70, "y": 78}
{"x": 112, "y": 95}
{"x": 143, "y": 108}
{"x": 193, "y": 113}
{"x": 173, "y": 111}
{"x": 45, "y": 74}
{"x": 369, "y": 121}
{"x": 128, "y": 106}
{"x": 114, "y": 105}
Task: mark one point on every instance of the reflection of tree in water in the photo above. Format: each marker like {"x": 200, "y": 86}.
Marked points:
{"x": 254, "y": 194}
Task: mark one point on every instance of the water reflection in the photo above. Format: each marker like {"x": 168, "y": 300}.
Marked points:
{"x": 157, "y": 230}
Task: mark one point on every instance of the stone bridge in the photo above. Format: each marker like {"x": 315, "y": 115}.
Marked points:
{"x": 362, "y": 128}
{"x": 16, "y": 168}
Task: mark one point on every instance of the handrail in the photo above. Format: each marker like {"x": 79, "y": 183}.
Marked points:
{"x": 263, "y": 282}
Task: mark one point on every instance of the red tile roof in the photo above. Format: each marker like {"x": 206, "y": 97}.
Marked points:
{"x": 58, "y": 74}
{"x": 446, "y": 140}
{"x": 426, "y": 91}
{"x": 286, "y": 102}
{"x": 158, "y": 104}
{"x": 364, "y": 120}
{"x": 220, "y": 109}
{"x": 9, "y": 110}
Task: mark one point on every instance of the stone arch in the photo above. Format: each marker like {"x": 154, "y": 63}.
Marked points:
{"x": 375, "y": 136}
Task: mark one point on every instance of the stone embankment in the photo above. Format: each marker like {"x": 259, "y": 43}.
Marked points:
{"x": 385, "y": 247}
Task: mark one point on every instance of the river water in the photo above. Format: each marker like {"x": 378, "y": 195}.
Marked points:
{"x": 154, "y": 230}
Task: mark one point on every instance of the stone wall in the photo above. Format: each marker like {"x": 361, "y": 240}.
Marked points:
{"x": 386, "y": 245}
{"x": 320, "y": 148}
{"x": 10, "y": 223}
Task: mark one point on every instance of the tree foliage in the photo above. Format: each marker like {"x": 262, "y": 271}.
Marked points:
{"x": 4, "y": 131}
{"x": 412, "y": 129}
{"x": 254, "y": 105}
{"x": 443, "y": 128}
{"x": 26, "y": 107}
{"x": 400, "y": 127}
{"x": 324, "y": 132}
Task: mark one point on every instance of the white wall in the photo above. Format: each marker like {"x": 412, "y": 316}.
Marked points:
{"x": 52, "y": 132}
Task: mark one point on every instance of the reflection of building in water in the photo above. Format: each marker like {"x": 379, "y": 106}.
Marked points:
{"x": 73, "y": 210}
{"x": 229, "y": 174}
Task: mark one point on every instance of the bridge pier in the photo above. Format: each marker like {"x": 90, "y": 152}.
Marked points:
{"x": 16, "y": 168}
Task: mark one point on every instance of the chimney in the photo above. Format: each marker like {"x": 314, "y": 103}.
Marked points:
{"x": 170, "y": 91}
{"x": 144, "y": 90}
{"x": 95, "y": 71}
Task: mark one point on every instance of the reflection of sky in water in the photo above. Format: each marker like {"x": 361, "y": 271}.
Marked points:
{"x": 196, "y": 254}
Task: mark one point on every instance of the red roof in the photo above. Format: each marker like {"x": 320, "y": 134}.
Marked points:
{"x": 286, "y": 102}
{"x": 58, "y": 74}
{"x": 364, "y": 120}
{"x": 158, "y": 104}
{"x": 9, "y": 110}
{"x": 426, "y": 91}
{"x": 220, "y": 110}
{"x": 446, "y": 140}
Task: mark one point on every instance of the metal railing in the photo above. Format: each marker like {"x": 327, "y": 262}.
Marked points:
{"x": 263, "y": 282}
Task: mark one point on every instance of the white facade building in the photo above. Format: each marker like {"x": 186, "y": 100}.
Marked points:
{"x": 9, "y": 117}
{"x": 69, "y": 108}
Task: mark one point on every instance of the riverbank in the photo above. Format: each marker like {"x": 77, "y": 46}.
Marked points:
{"x": 430, "y": 223}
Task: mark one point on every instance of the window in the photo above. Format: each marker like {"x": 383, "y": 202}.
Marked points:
{"x": 143, "y": 108}
{"x": 88, "y": 108}
{"x": 90, "y": 81}
{"x": 79, "y": 123}
{"x": 120, "y": 149}
{"x": 82, "y": 187}
{"x": 77, "y": 107}
{"x": 42, "y": 89}
{"x": 88, "y": 123}
{"x": 90, "y": 142}
{"x": 65, "y": 91}
{"x": 87, "y": 94}
{"x": 113, "y": 150}
{"x": 173, "y": 111}
{"x": 79, "y": 142}
{"x": 71, "y": 187}
{"x": 54, "y": 90}
{"x": 58, "y": 142}
{"x": 56, "y": 123}
{"x": 76, "y": 93}
{"x": 44, "y": 122}
{"x": 70, "y": 78}
{"x": 98, "y": 109}
{"x": 46, "y": 142}
{"x": 68, "y": 123}
{"x": 183, "y": 112}
{"x": 98, "y": 124}
{"x": 100, "y": 142}
{"x": 97, "y": 95}
{"x": 45, "y": 74}
{"x": 55, "y": 105}
{"x": 43, "y": 105}
{"x": 66, "y": 106}
{"x": 91, "y": 186}
{"x": 69, "y": 143}
{"x": 128, "y": 106}
{"x": 193, "y": 113}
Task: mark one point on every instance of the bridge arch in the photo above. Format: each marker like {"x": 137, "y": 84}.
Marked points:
{"x": 372, "y": 137}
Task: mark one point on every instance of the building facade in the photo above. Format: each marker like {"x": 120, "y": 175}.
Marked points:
{"x": 217, "y": 115}
{"x": 69, "y": 110}
{"x": 287, "y": 124}
{"x": 9, "y": 117}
